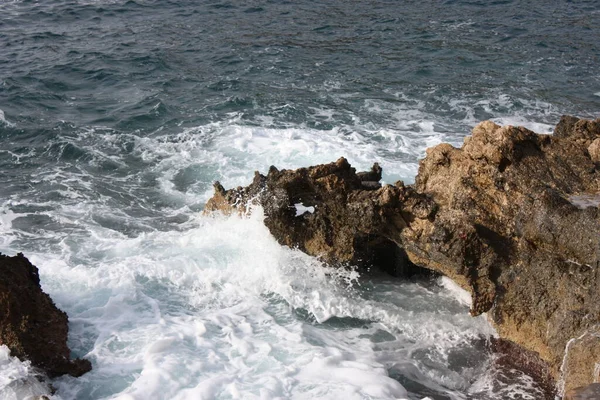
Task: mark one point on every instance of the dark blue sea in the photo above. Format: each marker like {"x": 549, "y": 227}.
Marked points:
{"x": 116, "y": 117}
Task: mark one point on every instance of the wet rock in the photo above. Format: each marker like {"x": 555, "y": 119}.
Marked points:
{"x": 374, "y": 175}
{"x": 348, "y": 221}
{"x": 512, "y": 357}
{"x": 496, "y": 216}
{"x": 31, "y": 326}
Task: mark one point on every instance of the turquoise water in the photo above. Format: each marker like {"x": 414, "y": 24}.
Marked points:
{"x": 117, "y": 116}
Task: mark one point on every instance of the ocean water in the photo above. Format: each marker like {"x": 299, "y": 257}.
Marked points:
{"x": 116, "y": 117}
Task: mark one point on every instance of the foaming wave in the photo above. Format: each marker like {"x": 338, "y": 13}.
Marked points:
{"x": 204, "y": 313}
{"x": 208, "y": 312}
{"x": 4, "y": 121}
{"x": 7, "y": 216}
{"x": 170, "y": 304}
{"x": 218, "y": 309}
{"x": 412, "y": 125}
{"x": 506, "y": 384}
{"x": 232, "y": 151}
{"x": 536, "y": 115}
{"x": 18, "y": 380}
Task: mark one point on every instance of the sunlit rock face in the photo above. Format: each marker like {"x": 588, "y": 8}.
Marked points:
{"x": 502, "y": 216}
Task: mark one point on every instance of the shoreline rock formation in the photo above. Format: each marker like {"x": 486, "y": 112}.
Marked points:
{"x": 31, "y": 325}
{"x": 512, "y": 217}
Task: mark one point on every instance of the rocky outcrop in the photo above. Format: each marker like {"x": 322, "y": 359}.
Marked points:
{"x": 535, "y": 249}
{"x": 512, "y": 217}
{"x": 353, "y": 220}
{"x": 31, "y": 326}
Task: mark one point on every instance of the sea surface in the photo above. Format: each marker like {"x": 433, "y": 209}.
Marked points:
{"x": 116, "y": 117}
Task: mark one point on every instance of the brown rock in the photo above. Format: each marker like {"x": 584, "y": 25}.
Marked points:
{"x": 30, "y": 324}
{"x": 351, "y": 223}
{"x": 581, "y": 364}
{"x": 590, "y": 392}
{"x": 498, "y": 216}
{"x": 594, "y": 150}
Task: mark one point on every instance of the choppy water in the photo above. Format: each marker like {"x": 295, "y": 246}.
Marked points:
{"x": 116, "y": 116}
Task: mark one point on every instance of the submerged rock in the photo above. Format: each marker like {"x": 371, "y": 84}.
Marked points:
{"x": 496, "y": 216}
{"x": 31, "y": 326}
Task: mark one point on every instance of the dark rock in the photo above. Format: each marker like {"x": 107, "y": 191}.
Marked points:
{"x": 31, "y": 326}
{"x": 499, "y": 216}
{"x": 370, "y": 185}
{"x": 349, "y": 221}
{"x": 510, "y": 356}
{"x": 374, "y": 175}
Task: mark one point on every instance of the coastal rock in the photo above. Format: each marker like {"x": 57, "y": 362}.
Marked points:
{"x": 351, "y": 223}
{"x": 31, "y": 326}
{"x": 534, "y": 254}
{"x": 594, "y": 150}
{"x": 581, "y": 363}
{"x": 590, "y": 392}
{"x": 502, "y": 216}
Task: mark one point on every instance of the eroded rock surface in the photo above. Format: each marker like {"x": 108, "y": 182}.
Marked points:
{"x": 494, "y": 215}
{"x": 31, "y": 326}
{"x": 354, "y": 221}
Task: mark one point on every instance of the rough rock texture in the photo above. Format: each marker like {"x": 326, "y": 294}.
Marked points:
{"x": 512, "y": 357}
{"x": 590, "y": 392}
{"x": 31, "y": 326}
{"x": 354, "y": 220}
{"x": 500, "y": 216}
{"x": 582, "y": 359}
{"x": 594, "y": 150}
{"x": 533, "y": 255}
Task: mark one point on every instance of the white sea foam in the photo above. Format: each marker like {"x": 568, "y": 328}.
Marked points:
{"x": 208, "y": 313}
{"x": 460, "y": 294}
{"x": 487, "y": 386}
{"x": 7, "y": 216}
{"x": 233, "y": 151}
{"x": 4, "y": 121}
{"x": 301, "y": 209}
{"x": 537, "y": 127}
{"x": 167, "y": 303}
{"x": 17, "y": 379}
